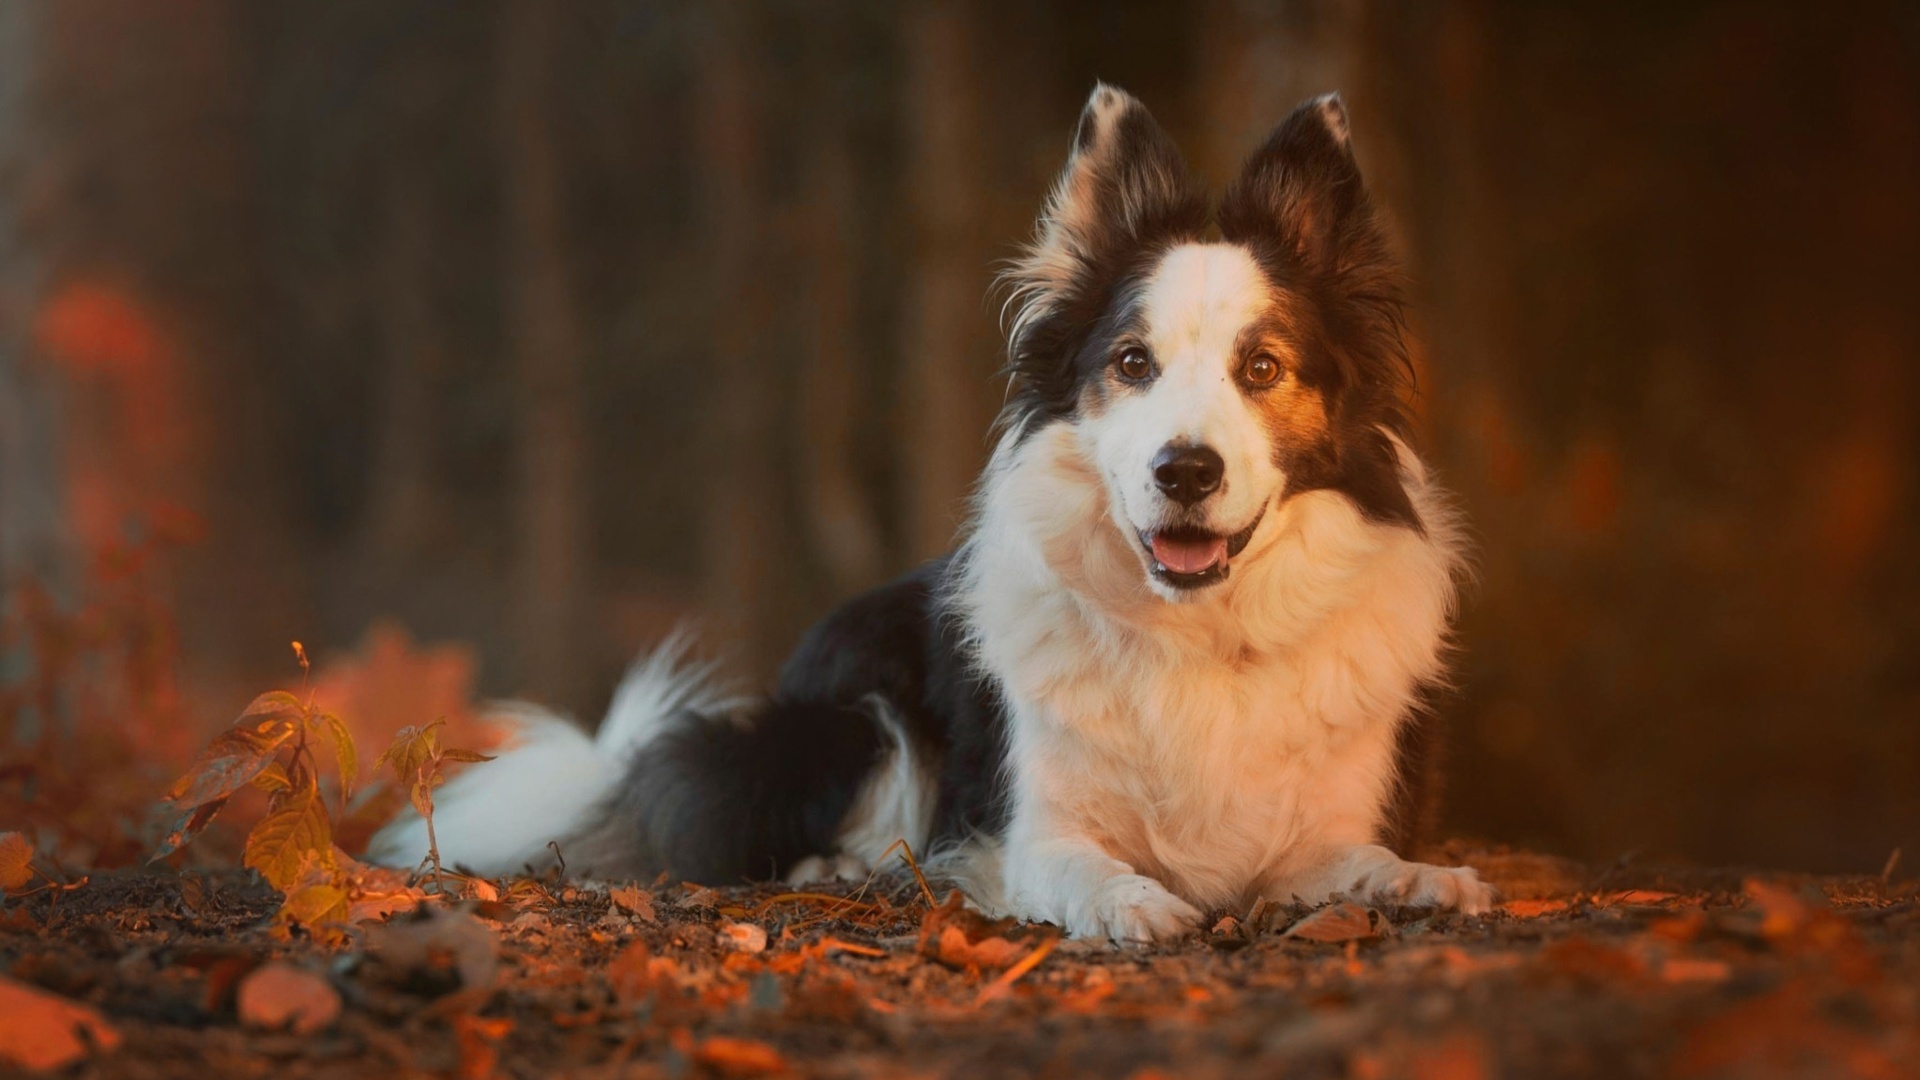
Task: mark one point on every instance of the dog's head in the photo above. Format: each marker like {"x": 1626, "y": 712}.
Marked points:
{"x": 1213, "y": 363}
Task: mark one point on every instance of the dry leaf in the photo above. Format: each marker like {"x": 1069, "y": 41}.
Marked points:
{"x": 630, "y": 973}
{"x": 743, "y": 937}
{"x": 437, "y": 940}
{"x": 1343, "y": 921}
{"x": 281, "y": 996}
{"x": 1533, "y": 909}
{"x": 636, "y": 901}
{"x": 41, "y": 1031}
{"x": 739, "y": 1057}
{"x": 16, "y": 861}
{"x": 478, "y": 1038}
{"x": 959, "y": 937}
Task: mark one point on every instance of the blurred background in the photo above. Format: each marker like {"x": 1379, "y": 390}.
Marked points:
{"x": 477, "y": 344}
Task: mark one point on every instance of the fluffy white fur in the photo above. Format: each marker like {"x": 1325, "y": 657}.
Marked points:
{"x": 1171, "y": 753}
{"x": 552, "y": 776}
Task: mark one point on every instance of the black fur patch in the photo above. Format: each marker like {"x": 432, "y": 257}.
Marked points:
{"x": 1301, "y": 207}
{"x": 717, "y": 801}
{"x": 1138, "y": 201}
{"x": 722, "y": 802}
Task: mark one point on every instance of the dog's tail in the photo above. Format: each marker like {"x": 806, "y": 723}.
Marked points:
{"x": 681, "y": 777}
{"x": 553, "y": 783}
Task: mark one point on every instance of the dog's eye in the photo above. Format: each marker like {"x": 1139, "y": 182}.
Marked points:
{"x": 1134, "y": 366}
{"x": 1262, "y": 370}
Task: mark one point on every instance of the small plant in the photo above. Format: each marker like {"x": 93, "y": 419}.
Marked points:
{"x": 417, "y": 758}
{"x": 271, "y": 747}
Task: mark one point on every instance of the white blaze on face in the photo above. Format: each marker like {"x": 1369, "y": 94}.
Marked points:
{"x": 1193, "y": 309}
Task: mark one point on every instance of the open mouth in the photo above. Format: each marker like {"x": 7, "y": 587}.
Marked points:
{"x": 1186, "y": 557}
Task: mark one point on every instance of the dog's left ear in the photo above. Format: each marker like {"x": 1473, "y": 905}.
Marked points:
{"x": 1303, "y": 190}
{"x": 1125, "y": 190}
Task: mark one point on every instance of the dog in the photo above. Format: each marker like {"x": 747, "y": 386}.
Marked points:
{"x": 1178, "y": 660}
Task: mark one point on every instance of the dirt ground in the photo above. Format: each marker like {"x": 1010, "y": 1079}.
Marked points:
{"x": 1584, "y": 972}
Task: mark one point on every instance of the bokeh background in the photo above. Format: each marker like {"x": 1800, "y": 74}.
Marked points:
{"x": 522, "y": 331}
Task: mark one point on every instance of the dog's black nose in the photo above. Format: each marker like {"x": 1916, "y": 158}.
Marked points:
{"x": 1187, "y": 474}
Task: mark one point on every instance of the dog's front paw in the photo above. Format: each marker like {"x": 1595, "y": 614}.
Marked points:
{"x": 1132, "y": 908}
{"x": 1414, "y": 884}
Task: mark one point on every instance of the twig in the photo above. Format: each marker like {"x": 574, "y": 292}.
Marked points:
{"x": 906, "y": 850}
{"x": 999, "y": 986}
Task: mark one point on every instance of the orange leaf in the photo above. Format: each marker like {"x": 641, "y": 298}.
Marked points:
{"x": 1339, "y": 922}
{"x": 334, "y": 730}
{"x": 16, "y": 861}
{"x": 43, "y": 1032}
{"x": 315, "y": 904}
{"x": 291, "y": 839}
{"x": 739, "y": 1057}
{"x": 280, "y": 995}
{"x": 1533, "y": 909}
{"x": 636, "y": 901}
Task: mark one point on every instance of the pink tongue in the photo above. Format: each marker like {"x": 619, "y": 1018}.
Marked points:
{"x": 1189, "y": 556}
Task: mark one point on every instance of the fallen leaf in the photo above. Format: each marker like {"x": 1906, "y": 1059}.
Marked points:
{"x": 438, "y": 940}
{"x": 987, "y": 954}
{"x": 1635, "y": 896}
{"x": 41, "y": 1031}
{"x": 743, "y": 937}
{"x": 739, "y": 1057}
{"x": 629, "y": 973}
{"x": 16, "y": 861}
{"x": 636, "y": 901}
{"x": 1682, "y": 969}
{"x": 961, "y": 938}
{"x": 281, "y": 996}
{"x": 478, "y": 1038}
{"x": 1338, "y": 922}
{"x": 1533, "y": 909}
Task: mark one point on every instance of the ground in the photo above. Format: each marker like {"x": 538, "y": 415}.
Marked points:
{"x": 1615, "y": 971}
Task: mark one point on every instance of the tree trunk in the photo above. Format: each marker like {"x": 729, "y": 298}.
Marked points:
{"x": 743, "y": 523}
{"x": 944, "y": 424}
{"x": 547, "y": 344}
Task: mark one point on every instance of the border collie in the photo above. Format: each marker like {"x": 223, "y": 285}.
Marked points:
{"x": 1176, "y": 663}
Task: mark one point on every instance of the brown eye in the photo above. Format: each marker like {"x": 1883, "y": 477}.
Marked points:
{"x": 1262, "y": 370}
{"x": 1134, "y": 366}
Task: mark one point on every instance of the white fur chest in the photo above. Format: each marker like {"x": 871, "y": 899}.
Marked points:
{"x": 1208, "y": 745}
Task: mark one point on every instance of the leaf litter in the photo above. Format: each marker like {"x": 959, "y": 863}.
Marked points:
{"x": 1681, "y": 972}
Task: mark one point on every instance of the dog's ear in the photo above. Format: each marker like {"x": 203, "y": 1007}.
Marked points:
{"x": 1302, "y": 191}
{"x": 1125, "y": 190}
{"x": 1125, "y": 183}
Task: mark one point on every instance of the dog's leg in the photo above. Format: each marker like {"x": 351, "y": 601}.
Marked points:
{"x": 1069, "y": 880}
{"x": 1369, "y": 872}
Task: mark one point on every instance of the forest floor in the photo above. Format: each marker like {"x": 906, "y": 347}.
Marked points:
{"x": 1618, "y": 971}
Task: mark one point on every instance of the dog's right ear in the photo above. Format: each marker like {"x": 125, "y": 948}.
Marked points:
{"x": 1125, "y": 189}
